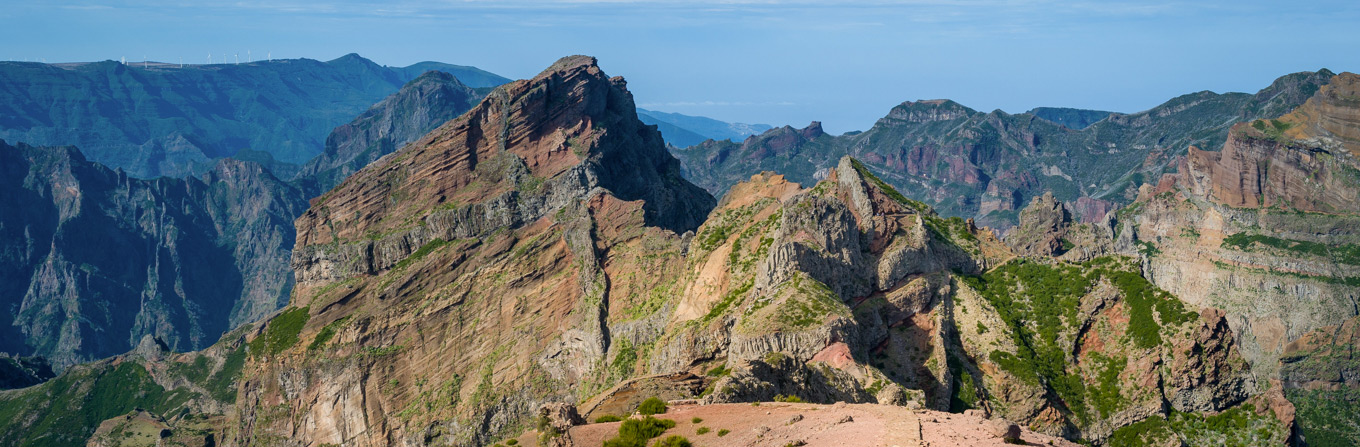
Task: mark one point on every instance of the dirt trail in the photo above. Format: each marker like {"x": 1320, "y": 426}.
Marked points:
{"x": 780, "y": 424}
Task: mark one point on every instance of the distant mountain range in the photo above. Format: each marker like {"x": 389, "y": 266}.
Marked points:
{"x": 987, "y": 165}
{"x": 685, "y": 130}
{"x": 158, "y": 119}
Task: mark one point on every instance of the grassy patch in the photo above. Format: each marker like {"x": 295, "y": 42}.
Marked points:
{"x": 326, "y": 333}
{"x": 66, "y": 410}
{"x": 1239, "y": 426}
{"x": 652, "y": 406}
{"x": 1039, "y": 302}
{"x": 420, "y": 253}
{"x": 636, "y": 432}
{"x": 1343, "y": 253}
{"x": 1327, "y": 417}
{"x": 281, "y": 332}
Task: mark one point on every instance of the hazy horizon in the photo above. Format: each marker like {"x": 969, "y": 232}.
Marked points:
{"x": 768, "y": 62}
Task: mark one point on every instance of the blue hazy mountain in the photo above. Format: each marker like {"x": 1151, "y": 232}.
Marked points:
{"x": 685, "y": 130}
{"x": 159, "y": 119}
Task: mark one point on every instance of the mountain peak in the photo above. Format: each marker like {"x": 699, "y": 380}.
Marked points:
{"x": 929, "y": 110}
{"x": 532, "y": 147}
{"x": 570, "y": 64}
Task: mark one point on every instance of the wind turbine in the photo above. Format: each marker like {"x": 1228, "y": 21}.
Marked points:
{"x": 209, "y": 58}
{"x": 247, "y": 56}
{"x": 238, "y": 58}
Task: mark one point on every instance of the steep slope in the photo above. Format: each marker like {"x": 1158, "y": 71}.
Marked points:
{"x": 165, "y": 119}
{"x": 453, "y": 285}
{"x": 92, "y": 260}
{"x": 988, "y": 165}
{"x": 419, "y": 107}
{"x": 1266, "y": 229}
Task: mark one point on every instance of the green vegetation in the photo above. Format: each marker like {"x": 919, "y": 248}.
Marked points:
{"x": 701, "y": 431}
{"x": 718, "y": 371}
{"x": 965, "y": 392}
{"x": 1106, "y": 395}
{"x": 789, "y": 398}
{"x": 636, "y": 432}
{"x": 1327, "y": 417}
{"x": 326, "y": 333}
{"x": 652, "y": 406}
{"x": 511, "y": 441}
{"x": 625, "y": 359}
{"x": 1239, "y": 426}
{"x": 727, "y": 302}
{"x": 723, "y": 432}
{"x": 673, "y": 441}
{"x": 1142, "y": 297}
{"x": 420, "y": 253}
{"x": 1039, "y": 302}
{"x": 1341, "y": 253}
{"x": 604, "y": 418}
{"x": 696, "y": 420}
{"x": 281, "y": 332}
{"x": 809, "y": 305}
{"x": 1273, "y": 129}
{"x": 66, "y": 410}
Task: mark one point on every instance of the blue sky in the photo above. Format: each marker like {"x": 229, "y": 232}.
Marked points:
{"x": 773, "y": 61}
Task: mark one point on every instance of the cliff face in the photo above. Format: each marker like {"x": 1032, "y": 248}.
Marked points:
{"x": 93, "y": 260}
{"x": 1267, "y": 230}
{"x": 987, "y": 166}
{"x": 478, "y": 272}
{"x": 419, "y": 107}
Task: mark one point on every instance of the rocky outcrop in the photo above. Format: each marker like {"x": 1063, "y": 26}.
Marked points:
{"x": 1047, "y": 229}
{"x": 95, "y": 260}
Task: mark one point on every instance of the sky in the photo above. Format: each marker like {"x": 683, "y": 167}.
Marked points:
{"x": 845, "y": 63}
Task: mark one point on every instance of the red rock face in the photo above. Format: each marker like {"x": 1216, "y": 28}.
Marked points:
{"x": 1333, "y": 113}
{"x": 1303, "y": 161}
{"x": 1253, "y": 171}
